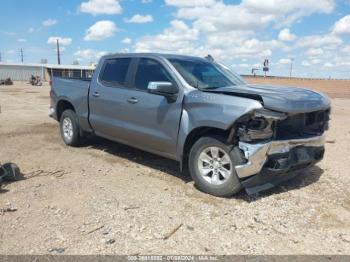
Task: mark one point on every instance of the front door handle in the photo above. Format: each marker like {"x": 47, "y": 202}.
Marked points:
{"x": 133, "y": 100}
{"x": 96, "y": 94}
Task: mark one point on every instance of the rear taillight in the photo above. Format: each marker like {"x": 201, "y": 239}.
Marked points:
{"x": 50, "y": 83}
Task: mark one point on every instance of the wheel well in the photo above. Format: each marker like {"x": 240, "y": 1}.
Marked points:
{"x": 195, "y": 135}
{"x": 62, "y": 106}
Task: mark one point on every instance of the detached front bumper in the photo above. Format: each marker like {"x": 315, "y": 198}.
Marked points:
{"x": 270, "y": 160}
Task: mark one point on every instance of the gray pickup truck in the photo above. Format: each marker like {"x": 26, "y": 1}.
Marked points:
{"x": 229, "y": 134}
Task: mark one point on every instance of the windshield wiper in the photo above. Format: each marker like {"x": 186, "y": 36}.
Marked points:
{"x": 205, "y": 88}
{"x": 197, "y": 86}
{"x": 210, "y": 88}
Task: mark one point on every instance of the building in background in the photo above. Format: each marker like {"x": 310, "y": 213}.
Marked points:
{"x": 23, "y": 72}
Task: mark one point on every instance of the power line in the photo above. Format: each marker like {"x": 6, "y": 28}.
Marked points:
{"x": 58, "y": 52}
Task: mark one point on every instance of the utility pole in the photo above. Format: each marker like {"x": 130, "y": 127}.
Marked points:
{"x": 22, "y": 55}
{"x": 291, "y": 67}
{"x": 58, "y": 52}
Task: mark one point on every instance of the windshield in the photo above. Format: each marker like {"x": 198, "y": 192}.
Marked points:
{"x": 203, "y": 74}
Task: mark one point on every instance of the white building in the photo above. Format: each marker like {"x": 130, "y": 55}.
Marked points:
{"x": 23, "y": 72}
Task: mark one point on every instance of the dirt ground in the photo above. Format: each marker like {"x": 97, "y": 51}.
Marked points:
{"x": 106, "y": 198}
{"x": 333, "y": 88}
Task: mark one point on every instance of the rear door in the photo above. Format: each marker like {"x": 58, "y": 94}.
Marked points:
{"x": 108, "y": 98}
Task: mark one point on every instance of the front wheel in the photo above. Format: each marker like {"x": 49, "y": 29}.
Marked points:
{"x": 212, "y": 166}
{"x": 70, "y": 130}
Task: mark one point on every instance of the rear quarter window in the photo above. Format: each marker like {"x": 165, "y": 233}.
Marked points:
{"x": 115, "y": 71}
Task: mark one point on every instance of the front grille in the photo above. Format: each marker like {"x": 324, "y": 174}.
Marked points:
{"x": 302, "y": 125}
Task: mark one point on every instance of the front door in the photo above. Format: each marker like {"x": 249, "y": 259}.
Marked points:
{"x": 152, "y": 121}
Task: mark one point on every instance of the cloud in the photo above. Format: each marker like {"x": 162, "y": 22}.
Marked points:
{"x": 193, "y": 3}
{"x": 229, "y": 31}
{"x": 179, "y": 37}
{"x": 286, "y": 35}
{"x": 281, "y": 6}
{"x": 8, "y": 33}
{"x": 327, "y": 64}
{"x": 244, "y": 65}
{"x": 124, "y": 50}
{"x": 314, "y": 52}
{"x": 241, "y": 47}
{"x": 284, "y": 61}
{"x": 210, "y": 15}
{"x": 10, "y": 52}
{"x": 331, "y": 41}
{"x": 140, "y": 19}
{"x": 315, "y": 61}
{"x": 146, "y": 1}
{"x": 64, "y": 41}
{"x": 98, "y": 7}
{"x": 49, "y": 22}
{"x": 223, "y": 45}
{"x": 126, "y": 41}
{"x": 62, "y": 49}
{"x": 328, "y": 61}
{"x": 305, "y": 63}
{"x": 22, "y": 40}
{"x": 32, "y": 30}
{"x": 183, "y": 39}
{"x": 89, "y": 54}
{"x": 224, "y": 17}
{"x": 342, "y": 26}
{"x": 346, "y": 49}
{"x": 288, "y": 12}
{"x": 100, "y": 30}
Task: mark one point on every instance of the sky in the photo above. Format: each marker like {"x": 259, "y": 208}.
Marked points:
{"x": 313, "y": 35}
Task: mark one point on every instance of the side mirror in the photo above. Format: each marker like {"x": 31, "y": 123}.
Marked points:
{"x": 166, "y": 89}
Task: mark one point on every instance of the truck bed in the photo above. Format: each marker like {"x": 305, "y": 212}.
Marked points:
{"x": 76, "y": 91}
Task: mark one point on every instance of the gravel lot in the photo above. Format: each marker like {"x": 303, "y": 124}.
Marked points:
{"x": 106, "y": 198}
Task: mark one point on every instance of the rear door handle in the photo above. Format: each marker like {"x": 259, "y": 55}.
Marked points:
{"x": 96, "y": 94}
{"x": 133, "y": 100}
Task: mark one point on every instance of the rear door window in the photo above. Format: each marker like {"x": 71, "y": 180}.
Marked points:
{"x": 150, "y": 70}
{"x": 115, "y": 71}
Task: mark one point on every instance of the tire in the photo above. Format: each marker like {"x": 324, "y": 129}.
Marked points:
{"x": 225, "y": 182}
{"x": 12, "y": 172}
{"x": 70, "y": 129}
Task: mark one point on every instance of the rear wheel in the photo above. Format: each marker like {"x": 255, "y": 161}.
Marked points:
{"x": 212, "y": 166}
{"x": 70, "y": 130}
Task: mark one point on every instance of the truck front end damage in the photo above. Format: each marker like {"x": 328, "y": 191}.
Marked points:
{"x": 274, "y": 144}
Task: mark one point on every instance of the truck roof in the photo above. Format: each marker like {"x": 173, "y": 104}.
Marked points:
{"x": 159, "y": 55}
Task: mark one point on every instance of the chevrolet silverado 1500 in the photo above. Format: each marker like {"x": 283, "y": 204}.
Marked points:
{"x": 229, "y": 134}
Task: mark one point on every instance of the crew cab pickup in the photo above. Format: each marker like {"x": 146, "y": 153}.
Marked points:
{"x": 228, "y": 133}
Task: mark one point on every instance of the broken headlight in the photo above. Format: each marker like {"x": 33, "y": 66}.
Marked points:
{"x": 268, "y": 114}
{"x": 259, "y": 125}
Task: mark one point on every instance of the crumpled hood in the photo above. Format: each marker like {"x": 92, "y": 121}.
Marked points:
{"x": 280, "y": 98}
